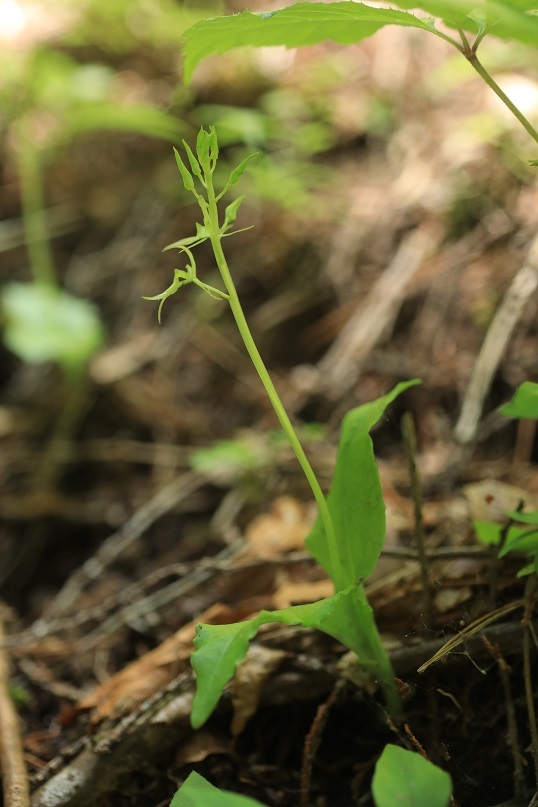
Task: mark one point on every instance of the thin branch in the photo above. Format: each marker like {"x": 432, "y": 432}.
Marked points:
{"x": 14, "y": 777}
{"x": 530, "y": 600}
{"x": 410, "y": 442}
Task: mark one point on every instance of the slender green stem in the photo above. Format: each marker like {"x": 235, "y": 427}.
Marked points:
{"x": 490, "y": 81}
{"x": 479, "y": 38}
{"x": 215, "y": 237}
{"x": 33, "y": 212}
{"x": 470, "y": 54}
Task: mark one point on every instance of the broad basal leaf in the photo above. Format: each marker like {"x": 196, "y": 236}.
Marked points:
{"x": 346, "y": 616}
{"x": 198, "y": 792}
{"x": 355, "y": 499}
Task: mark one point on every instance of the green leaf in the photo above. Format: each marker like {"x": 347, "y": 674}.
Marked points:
{"x": 44, "y": 323}
{"x": 230, "y": 457}
{"x": 349, "y": 22}
{"x": 197, "y": 792}
{"x": 299, "y": 24}
{"x": 220, "y": 648}
{"x": 524, "y": 404}
{"x": 526, "y": 541}
{"x": 523, "y": 518}
{"x": 355, "y": 500}
{"x": 487, "y": 532}
{"x": 188, "y": 181}
{"x": 530, "y": 568}
{"x": 406, "y": 779}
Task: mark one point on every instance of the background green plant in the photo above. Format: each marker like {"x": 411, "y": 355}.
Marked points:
{"x": 520, "y": 539}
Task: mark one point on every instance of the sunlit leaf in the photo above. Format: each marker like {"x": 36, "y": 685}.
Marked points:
{"x": 349, "y": 22}
{"x": 296, "y": 25}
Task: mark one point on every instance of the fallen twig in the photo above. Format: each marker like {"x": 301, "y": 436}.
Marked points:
{"x": 14, "y": 777}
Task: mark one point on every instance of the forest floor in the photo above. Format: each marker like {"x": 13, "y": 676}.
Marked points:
{"x": 394, "y": 226}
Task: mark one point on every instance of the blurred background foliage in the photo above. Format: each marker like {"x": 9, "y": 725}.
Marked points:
{"x": 360, "y": 146}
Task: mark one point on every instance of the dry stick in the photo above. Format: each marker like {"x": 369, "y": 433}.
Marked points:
{"x": 530, "y": 599}
{"x": 340, "y": 366}
{"x": 312, "y": 741}
{"x": 410, "y": 443}
{"x": 534, "y": 801}
{"x": 420, "y": 750}
{"x": 513, "y": 738}
{"x": 117, "y": 543}
{"x": 133, "y": 602}
{"x": 471, "y": 629}
{"x": 15, "y": 780}
{"x": 523, "y": 286}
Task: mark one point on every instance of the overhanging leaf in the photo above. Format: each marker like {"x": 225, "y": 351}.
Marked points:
{"x": 349, "y": 22}
{"x": 301, "y": 24}
{"x": 355, "y": 500}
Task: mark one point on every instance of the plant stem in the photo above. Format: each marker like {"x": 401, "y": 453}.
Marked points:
{"x": 490, "y": 81}
{"x": 470, "y": 54}
{"x": 212, "y": 222}
{"x": 410, "y": 442}
{"x": 33, "y": 212}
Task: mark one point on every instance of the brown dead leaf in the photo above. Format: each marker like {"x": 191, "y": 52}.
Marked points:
{"x": 292, "y": 593}
{"x": 448, "y": 598}
{"x": 247, "y": 685}
{"x": 282, "y": 530}
{"x": 147, "y": 675}
{"x": 200, "y": 746}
